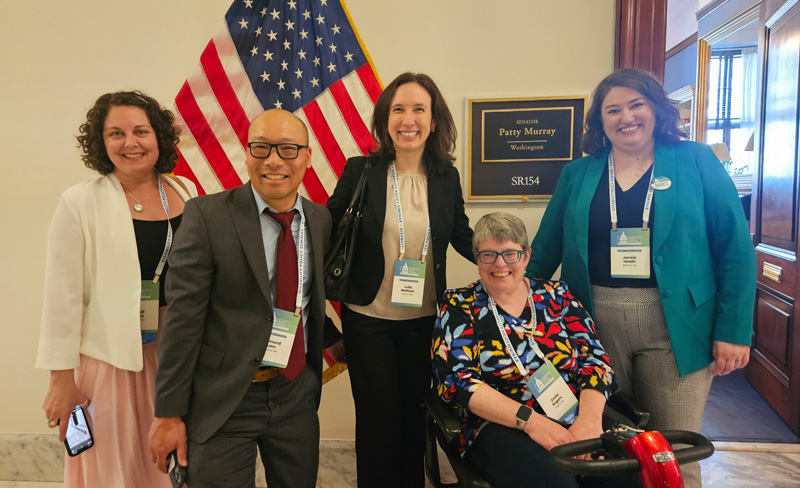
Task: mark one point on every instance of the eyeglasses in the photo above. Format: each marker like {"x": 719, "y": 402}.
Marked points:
{"x": 489, "y": 257}
{"x": 262, "y": 150}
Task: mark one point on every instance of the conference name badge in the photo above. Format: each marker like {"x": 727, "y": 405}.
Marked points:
{"x": 284, "y": 329}
{"x": 553, "y": 393}
{"x": 409, "y": 282}
{"x": 148, "y": 311}
{"x": 630, "y": 253}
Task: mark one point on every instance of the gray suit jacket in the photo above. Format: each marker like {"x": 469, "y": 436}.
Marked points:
{"x": 219, "y": 313}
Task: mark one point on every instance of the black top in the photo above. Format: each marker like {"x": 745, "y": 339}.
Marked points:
{"x": 630, "y": 205}
{"x": 151, "y": 236}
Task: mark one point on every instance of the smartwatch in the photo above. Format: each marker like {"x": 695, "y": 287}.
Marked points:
{"x": 523, "y": 416}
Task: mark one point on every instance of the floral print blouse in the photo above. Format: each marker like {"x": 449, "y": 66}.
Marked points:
{"x": 468, "y": 349}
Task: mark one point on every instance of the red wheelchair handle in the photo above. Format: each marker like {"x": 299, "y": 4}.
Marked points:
{"x": 563, "y": 456}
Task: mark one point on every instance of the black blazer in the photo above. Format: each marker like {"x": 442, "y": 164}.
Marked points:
{"x": 449, "y": 225}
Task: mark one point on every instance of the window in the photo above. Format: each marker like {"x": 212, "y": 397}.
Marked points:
{"x": 729, "y": 115}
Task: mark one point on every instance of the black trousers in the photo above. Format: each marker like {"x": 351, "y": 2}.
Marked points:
{"x": 390, "y": 372}
{"x": 509, "y": 458}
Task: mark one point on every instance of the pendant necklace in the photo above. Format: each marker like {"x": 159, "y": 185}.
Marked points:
{"x": 138, "y": 207}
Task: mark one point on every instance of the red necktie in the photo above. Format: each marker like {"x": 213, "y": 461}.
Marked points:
{"x": 286, "y": 289}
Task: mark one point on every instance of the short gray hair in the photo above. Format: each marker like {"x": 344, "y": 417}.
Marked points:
{"x": 501, "y": 227}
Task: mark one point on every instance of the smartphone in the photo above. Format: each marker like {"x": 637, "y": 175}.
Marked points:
{"x": 177, "y": 473}
{"x": 79, "y": 435}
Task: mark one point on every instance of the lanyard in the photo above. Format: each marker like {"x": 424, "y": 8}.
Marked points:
{"x": 400, "y": 221}
{"x": 507, "y": 341}
{"x": 612, "y": 195}
{"x": 301, "y": 259}
{"x": 168, "y": 244}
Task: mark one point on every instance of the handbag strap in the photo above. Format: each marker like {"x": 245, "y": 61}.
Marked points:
{"x": 356, "y": 203}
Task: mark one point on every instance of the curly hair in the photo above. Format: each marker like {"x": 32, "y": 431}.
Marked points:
{"x": 666, "y": 130}
{"x": 439, "y": 146}
{"x": 91, "y": 140}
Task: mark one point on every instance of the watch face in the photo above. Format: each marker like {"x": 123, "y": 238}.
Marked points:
{"x": 524, "y": 413}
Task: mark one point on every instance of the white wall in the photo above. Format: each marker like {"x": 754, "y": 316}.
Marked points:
{"x": 681, "y": 20}
{"x": 58, "y": 59}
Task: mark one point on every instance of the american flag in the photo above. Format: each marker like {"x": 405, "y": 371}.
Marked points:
{"x": 304, "y": 56}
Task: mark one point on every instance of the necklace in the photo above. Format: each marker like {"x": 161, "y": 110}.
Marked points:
{"x": 138, "y": 207}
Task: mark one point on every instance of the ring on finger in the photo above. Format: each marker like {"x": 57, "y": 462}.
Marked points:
{"x": 51, "y": 423}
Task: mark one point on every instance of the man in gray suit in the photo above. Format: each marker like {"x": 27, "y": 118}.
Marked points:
{"x": 215, "y": 398}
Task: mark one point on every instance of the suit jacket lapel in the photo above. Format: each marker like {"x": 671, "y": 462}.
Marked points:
{"x": 376, "y": 182}
{"x": 664, "y": 200}
{"x": 244, "y": 214}
{"x": 591, "y": 178}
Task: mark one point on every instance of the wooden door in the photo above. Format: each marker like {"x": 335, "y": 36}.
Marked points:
{"x": 774, "y": 369}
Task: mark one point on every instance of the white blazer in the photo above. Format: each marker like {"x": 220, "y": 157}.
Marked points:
{"x": 92, "y": 284}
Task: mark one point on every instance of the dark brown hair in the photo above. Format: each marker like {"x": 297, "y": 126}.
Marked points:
{"x": 666, "y": 130}
{"x": 161, "y": 120}
{"x": 440, "y": 144}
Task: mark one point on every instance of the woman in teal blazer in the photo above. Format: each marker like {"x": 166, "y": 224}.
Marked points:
{"x": 691, "y": 316}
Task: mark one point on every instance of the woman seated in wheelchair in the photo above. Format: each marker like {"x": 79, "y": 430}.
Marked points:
{"x": 521, "y": 361}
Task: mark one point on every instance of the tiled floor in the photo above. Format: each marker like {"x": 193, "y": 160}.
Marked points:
{"x": 725, "y": 469}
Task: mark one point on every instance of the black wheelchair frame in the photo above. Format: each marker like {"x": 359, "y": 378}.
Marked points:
{"x": 443, "y": 426}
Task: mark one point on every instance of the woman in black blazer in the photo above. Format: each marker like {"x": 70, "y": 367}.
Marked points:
{"x": 388, "y": 315}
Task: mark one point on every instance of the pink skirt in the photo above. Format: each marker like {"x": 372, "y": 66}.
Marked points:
{"x": 120, "y": 415}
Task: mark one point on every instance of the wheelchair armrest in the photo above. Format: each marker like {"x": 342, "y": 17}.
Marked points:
{"x": 628, "y": 407}
{"x": 447, "y": 419}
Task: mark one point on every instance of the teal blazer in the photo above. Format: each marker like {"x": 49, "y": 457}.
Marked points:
{"x": 702, "y": 255}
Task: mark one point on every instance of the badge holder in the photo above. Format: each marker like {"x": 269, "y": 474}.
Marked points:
{"x": 284, "y": 330}
{"x": 148, "y": 311}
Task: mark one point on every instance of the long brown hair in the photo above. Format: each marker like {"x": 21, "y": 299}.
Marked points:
{"x": 439, "y": 146}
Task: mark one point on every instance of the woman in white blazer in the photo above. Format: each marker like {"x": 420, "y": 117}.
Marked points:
{"x": 106, "y": 260}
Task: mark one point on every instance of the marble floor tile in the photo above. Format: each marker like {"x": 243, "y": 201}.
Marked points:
{"x": 31, "y": 457}
{"x": 337, "y": 464}
{"x": 742, "y": 469}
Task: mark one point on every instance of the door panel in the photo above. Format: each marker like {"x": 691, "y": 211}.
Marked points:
{"x": 778, "y": 176}
{"x": 775, "y": 321}
{"x": 774, "y": 369}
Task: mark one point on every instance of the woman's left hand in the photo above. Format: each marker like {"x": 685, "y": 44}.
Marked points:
{"x": 583, "y": 429}
{"x": 589, "y": 424}
{"x": 729, "y": 356}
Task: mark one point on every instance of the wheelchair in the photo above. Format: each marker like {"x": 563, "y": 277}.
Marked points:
{"x": 625, "y": 449}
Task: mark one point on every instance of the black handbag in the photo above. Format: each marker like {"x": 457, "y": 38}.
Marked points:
{"x": 339, "y": 260}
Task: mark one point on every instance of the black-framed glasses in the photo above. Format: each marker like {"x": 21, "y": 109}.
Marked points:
{"x": 489, "y": 257}
{"x": 262, "y": 150}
